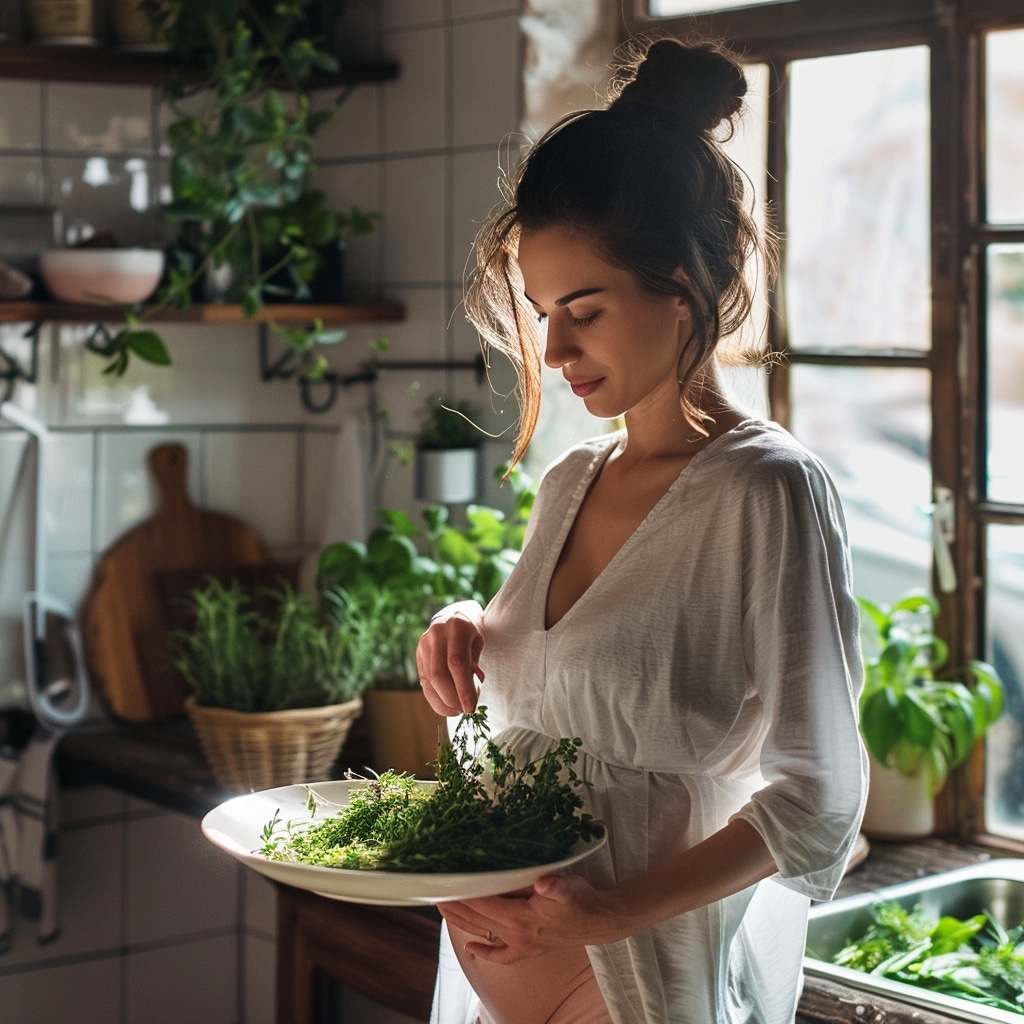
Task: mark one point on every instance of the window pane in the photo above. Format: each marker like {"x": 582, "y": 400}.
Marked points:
{"x": 1004, "y": 93}
{"x": 1005, "y": 372}
{"x": 857, "y": 235}
{"x": 871, "y": 427}
{"x": 1004, "y": 789}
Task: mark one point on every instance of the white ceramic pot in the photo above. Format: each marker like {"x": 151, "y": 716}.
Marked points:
{"x": 101, "y": 276}
{"x": 899, "y": 806}
{"x": 447, "y": 476}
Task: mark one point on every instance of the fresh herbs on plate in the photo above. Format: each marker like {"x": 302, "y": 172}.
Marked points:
{"x": 975, "y": 959}
{"x": 485, "y": 813}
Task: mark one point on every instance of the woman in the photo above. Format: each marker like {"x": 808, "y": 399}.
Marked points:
{"x": 683, "y": 603}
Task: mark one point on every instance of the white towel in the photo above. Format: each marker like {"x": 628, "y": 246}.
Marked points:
{"x": 354, "y": 480}
{"x": 29, "y": 824}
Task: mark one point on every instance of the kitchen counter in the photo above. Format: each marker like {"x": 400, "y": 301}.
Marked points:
{"x": 356, "y": 945}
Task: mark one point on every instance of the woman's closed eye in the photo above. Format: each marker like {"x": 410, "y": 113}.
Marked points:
{"x": 576, "y": 321}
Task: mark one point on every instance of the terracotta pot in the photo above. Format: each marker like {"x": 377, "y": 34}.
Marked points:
{"x": 405, "y": 732}
{"x": 899, "y": 806}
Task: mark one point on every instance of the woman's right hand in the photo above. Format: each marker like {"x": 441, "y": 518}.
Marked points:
{"x": 448, "y": 658}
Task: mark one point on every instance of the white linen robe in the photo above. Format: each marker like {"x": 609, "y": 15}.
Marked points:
{"x": 712, "y": 672}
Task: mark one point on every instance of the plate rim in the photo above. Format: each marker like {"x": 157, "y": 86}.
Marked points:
{"x": 325, "y": 880}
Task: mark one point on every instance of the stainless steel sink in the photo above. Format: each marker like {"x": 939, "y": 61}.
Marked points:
{"x": 995, "y": 885}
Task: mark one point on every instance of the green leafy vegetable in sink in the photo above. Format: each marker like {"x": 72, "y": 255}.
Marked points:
{"x": 974, "y": 959}
{"x": 486, "y": 813}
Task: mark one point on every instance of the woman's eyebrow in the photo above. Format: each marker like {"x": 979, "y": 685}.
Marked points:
{"x": 571, "y": 297}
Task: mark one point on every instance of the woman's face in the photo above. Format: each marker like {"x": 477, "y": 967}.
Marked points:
{"x": 617, "y": 345}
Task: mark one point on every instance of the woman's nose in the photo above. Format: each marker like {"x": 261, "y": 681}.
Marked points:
{"x": 559, "y": 349}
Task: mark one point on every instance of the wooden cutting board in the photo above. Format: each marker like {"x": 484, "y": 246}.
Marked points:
{"x": 124, "y": 614}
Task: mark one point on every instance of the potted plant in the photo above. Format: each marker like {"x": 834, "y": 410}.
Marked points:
{"x": 917, "y": 727}
{"x": 275, "y": 687}
{"x": 241, "y": 143}
{"x": 448, "y": 453}
{"x": 385, "y": 592}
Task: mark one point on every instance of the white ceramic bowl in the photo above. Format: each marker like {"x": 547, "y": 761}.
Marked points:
{"x": 101, "y": 276}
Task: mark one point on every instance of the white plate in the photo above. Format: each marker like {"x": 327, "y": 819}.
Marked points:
{"x": 236, "y": 827}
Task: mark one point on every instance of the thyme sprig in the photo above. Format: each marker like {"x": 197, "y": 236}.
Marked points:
{"x": 486, "y": 813}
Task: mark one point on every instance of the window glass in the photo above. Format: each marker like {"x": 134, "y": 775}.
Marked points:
{"x": 1004, "y": 763}
{"x": 1004, "y": 94}
{"x": 857, "y": 205}
{"x": 871, "y": 428}
{"x": 1005, "y": 413}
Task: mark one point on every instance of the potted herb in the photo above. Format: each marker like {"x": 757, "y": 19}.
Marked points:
{"x": 242, "y": 139}
{"x": 448, "y": 452}
{"x": 274, "y": 692}
{"x": 385, "y": 592}
{"x": 917, "y": 727}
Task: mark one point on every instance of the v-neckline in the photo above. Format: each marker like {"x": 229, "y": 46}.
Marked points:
{"x": 573, "y": 509}
{"x": 572, "y": 512}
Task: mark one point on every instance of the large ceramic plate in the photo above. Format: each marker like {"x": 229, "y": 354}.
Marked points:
{"x": 236, "y": 826}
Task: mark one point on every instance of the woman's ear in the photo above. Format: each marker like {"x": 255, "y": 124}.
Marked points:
{"x": 683, "y": 303}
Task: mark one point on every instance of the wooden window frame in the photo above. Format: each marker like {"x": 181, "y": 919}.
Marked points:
{"x": 953, "y": 30}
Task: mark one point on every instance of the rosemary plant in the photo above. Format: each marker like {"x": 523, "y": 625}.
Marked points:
{"x": 236, "y": 657}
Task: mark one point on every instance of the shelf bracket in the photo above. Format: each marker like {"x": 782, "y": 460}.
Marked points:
{"x": 281, "y": 368}
{"x": 11, "y": 371}
{"x": 329, "y": 383}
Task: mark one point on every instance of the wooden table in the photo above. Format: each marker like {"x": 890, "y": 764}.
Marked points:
{"x": 389, "y": 954}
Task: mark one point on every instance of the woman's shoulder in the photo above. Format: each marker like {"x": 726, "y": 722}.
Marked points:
{"x": 578, "y": 459}
{"x": 760, "y": 455}
{"x": 762, "y": 443}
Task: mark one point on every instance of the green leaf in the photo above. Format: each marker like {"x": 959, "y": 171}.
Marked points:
{"x": 880, "y": 723}
{"x": 147, "y": 345}
{"x": 988, "y": 693}
{"x": 117, "y": 366}
{"x": 252, "y": 301}
{"x": 457, "y": 549}
{"x": 399, "y": 521}
{"x": 920, "y": 721}
{"x": 389, "y": 554}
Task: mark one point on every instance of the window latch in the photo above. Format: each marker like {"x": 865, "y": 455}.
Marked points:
{"x": 943, "y": 513}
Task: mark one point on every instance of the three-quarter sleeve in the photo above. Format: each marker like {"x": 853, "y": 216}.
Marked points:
{"x": 801, "y": 646}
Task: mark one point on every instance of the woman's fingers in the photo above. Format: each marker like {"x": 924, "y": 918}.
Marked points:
{"x": 447, "y": 659}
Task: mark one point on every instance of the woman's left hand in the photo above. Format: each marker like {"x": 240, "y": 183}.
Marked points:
{"x": 560, "y": 910}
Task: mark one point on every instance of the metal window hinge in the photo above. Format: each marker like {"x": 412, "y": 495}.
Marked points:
{"x": 943, "y": 513}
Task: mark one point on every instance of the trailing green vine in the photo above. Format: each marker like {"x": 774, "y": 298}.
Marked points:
{"x": 242, "y": 142}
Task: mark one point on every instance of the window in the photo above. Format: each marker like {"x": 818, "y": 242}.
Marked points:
{"x": 895, "y": 138}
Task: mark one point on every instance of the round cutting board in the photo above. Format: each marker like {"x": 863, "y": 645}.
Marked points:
{"x": 125, "y": 616}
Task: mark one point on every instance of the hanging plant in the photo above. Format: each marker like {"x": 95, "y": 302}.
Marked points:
{"x": 242, "y": 143}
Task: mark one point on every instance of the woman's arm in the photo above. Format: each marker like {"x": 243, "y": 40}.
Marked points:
{"x": 565, "y": 910}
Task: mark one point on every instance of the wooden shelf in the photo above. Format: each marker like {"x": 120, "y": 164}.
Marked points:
{"x": 288, "y": 314}
{"x": 104, "y": 65}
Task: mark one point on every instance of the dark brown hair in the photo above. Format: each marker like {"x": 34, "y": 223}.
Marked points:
{"x": 646, "y": 179}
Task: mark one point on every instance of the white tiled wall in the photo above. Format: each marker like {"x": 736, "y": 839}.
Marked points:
{"x": 156, "y": 925}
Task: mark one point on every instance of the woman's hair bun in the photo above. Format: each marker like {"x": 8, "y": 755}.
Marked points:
{"x": 696, "y": 86}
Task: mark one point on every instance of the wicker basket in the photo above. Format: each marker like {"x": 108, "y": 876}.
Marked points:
{"x": 251, "y": 751}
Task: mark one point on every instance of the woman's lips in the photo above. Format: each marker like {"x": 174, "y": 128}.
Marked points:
{"x": 582, "y": 388}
